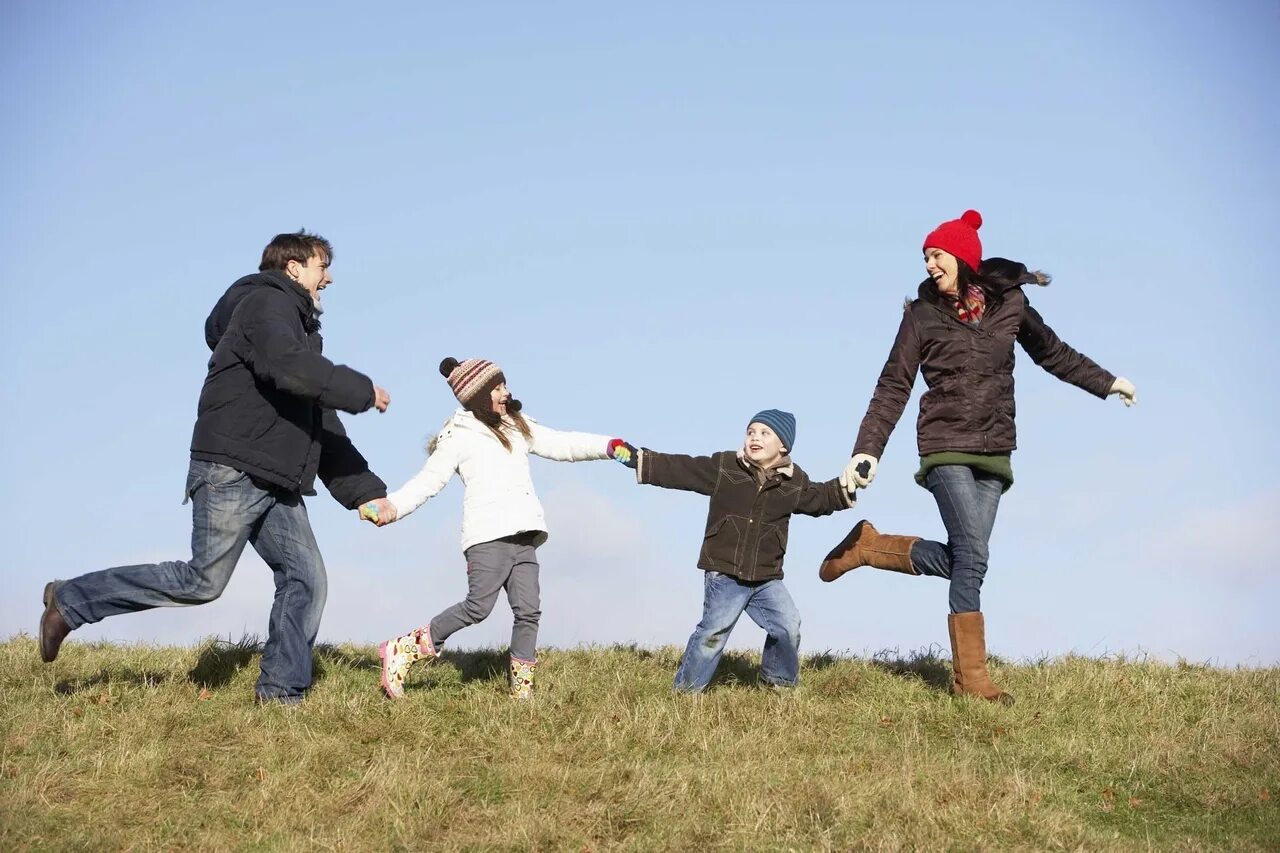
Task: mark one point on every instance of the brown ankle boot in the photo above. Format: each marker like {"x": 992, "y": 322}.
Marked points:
{"x": 969, "y": 658}
{"x": 866, "y": 546}
{"x": 53, "y": 628}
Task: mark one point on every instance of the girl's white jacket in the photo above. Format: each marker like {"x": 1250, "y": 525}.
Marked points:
{"x": 498, "y": 499}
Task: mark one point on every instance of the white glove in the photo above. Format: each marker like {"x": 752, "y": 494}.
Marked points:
{"x": 852, "y": 478}
{"x": 1123, "y": 387}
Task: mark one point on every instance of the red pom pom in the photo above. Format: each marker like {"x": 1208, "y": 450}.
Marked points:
{"x": 972, "y": 218}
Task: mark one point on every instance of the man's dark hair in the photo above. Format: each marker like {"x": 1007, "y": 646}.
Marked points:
{"x": 299, "y": 247}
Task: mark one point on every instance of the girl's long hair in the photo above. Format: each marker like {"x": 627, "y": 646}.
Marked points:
{"x": 496, "y": 423}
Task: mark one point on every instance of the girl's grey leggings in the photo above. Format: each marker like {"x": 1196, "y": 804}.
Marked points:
{"x": 509, "y": 563}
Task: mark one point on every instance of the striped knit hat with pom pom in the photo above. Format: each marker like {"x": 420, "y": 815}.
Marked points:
{"x": 470, "y": 377}
{"x": 960, "y": 238}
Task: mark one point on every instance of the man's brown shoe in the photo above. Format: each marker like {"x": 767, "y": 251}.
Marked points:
{"x": 53, "y": 628}
{"x": 866, "y": 546}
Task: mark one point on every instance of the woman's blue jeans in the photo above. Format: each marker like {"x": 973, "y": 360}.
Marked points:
{"x": 967, "y": 500}
{"x": 724, "y": 599}
{"x": 228, "y": 511}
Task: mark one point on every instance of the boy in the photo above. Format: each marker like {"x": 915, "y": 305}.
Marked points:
{"x": 754, "y": 492}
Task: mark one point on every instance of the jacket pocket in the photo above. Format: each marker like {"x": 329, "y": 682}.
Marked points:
{"x": 722, "y": 542}
{"x": 771, "y": 550}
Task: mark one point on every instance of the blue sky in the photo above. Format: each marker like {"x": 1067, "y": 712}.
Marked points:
{"x": 659, "y": 220}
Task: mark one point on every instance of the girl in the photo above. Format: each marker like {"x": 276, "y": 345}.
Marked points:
{"x": 959, "y": 333}
{"x": 487, "y": 442}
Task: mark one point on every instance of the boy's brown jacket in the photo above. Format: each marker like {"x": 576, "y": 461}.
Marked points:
{"x": 750, "y": 511}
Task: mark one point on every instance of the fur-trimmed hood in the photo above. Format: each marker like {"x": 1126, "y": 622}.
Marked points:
{"x": 1012, "y": 274}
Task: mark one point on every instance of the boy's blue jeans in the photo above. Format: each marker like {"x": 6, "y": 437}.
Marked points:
{"x": 228, "y": 511}
{"x": 967, "y": 501}
{"x": 724, "y": 599}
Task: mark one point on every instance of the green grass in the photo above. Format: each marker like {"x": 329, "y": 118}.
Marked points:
{"x": 119, "y": 747}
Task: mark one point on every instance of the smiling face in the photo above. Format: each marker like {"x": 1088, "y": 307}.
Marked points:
{"x": 498, "y": 398}
{"x": 762, "y": 446}
{"x": 313, "y": 276}
{"x": 943, "y": 269}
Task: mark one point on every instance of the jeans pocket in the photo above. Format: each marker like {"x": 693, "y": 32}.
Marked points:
{"x": 220, "y": 475}
{"x": 195, "y": 475}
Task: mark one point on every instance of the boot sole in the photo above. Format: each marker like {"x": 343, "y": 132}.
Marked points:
{"x": 1004, "y": 699}
{"x": 835, "y": 574}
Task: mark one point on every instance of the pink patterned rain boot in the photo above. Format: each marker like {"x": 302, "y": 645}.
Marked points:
{"x": 400, "y": 653}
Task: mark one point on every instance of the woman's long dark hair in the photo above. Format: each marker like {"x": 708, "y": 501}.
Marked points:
{"x": 995, "y": 277}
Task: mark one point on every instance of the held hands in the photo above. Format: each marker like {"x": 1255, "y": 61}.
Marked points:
{"x": 620, "y": 451}
{"x": 381, "y": 512}
{"x": 859, "y": 473}
{"x": 381, "y": 399}
{"x": 1123, "y": 387}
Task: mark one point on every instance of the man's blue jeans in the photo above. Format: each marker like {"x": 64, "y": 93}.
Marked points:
{"x": 228, "y": 510}
{"x": 724, "y": 599}
{"x": 967, "y": 500}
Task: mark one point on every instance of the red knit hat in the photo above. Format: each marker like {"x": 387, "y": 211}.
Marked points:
{"x": 960, "y": 238}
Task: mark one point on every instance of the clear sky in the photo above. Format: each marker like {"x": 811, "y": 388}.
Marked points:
{"x": 659, "y": 219}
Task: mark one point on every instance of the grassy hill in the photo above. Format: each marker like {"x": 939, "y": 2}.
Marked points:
{"x": 117, "y": 747}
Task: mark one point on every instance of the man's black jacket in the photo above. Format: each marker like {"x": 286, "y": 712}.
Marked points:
{"x": 267, "y": 405}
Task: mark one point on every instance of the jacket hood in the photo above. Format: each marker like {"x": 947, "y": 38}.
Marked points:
{"x": 215, "y": 326}
{"x": 1009, "y": 274}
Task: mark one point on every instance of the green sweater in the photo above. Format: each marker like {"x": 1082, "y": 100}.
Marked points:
{"x": 998, "y": 464}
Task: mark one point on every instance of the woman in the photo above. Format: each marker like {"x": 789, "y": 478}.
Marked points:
{"x": 959, "y": 333}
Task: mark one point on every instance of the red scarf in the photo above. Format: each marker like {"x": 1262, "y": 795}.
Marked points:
{"x": 973, "y": 306}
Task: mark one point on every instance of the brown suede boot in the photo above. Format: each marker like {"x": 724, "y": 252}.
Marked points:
{"x": 866, "y": 546}
{"x": 969, "y": 658}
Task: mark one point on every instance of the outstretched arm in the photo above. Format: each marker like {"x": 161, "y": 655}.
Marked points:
{"x": 428, "y": 482}
{"x": 1050, "y": 352}
{"x": 893, "y": 390}
{"x": 567, "y": 446}
{"x": 819, "y": 499}
{"x": 675, "y": 471}
{"x": 272, "y": 349}
{"x": 343, "y": 469}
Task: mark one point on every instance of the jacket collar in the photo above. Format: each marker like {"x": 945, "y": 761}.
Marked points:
{"x": 306, "y": 305}
{"x": 219, "y": 319}
{"x": 1012, "y": 274}
{"x": 784, "y": 466}
{"x": 467, "y": 420}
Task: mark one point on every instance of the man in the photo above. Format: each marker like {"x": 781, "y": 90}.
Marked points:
{"x": 266, "y": 425}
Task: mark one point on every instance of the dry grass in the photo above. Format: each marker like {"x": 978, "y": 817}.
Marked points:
{"x": 119, "y": 747}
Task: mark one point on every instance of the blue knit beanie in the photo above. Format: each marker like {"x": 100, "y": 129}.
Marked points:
{"x": 782, "y": 423}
